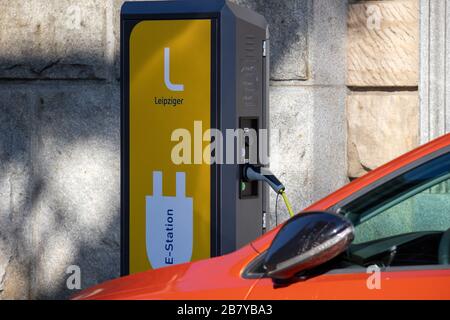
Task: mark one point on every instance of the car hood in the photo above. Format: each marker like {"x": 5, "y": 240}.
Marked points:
{"x": 206, "y": 279}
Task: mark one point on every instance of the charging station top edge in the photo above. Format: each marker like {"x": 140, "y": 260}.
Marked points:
{"x": 135, "y": 9}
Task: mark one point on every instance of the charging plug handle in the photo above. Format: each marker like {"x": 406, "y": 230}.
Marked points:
{"x": 259, "y": 173}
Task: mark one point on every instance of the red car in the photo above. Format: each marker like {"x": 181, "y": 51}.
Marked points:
{"x": 398, "y": 217}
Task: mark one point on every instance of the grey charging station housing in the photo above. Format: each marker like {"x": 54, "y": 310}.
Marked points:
{"x": 240, "y": 78}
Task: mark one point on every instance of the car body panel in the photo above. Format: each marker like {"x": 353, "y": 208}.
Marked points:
{"x": 220, "y": 277}
{"x": 401, "y": 284}
{"x": 216, "y": 278}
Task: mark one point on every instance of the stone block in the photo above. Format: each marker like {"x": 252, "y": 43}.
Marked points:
{"x": 307, "y": 146}
{"x": 60, "y": 39}
{"x": 327, "y": 49}
{"x": 16, "y": 112}
{"x": 291, "y": 151}
{"x": 383, "y": 43}
{"x": 381, "y": 127}
{"x": 77, "y": 183}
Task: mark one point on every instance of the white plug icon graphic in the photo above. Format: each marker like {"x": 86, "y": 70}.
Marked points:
{"x": 169, "y": 224}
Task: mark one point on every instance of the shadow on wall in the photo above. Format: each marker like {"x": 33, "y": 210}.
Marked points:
{"x": 80, "y": 186}
{"x": 60, "y": 162}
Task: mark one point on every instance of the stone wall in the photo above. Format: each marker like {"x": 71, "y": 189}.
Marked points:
{"x": 59, "y": 124}
{"x": 60, "y": 151}
{"x": 383, "y": 77}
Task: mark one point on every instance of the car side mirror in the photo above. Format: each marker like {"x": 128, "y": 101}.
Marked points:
{"x": 306, "y": 241}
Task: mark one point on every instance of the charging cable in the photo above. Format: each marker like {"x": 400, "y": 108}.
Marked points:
{"x": 258, "y": 173}
{"x": 288, "y": 204}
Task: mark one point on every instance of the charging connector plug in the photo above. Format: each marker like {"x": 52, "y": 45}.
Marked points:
{"x": 259, "y": 173}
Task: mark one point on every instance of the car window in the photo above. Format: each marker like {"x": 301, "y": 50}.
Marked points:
{"x": 410, "y": 211}
{"x": 428, "y": 210}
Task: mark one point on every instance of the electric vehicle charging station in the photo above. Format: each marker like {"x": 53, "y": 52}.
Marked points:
{"x": 185, "y": 63}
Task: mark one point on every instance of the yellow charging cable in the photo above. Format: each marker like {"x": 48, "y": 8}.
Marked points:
{"x": 286, "y": 201}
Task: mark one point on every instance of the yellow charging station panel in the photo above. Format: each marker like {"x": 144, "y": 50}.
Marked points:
{"x": 170, "y": 88}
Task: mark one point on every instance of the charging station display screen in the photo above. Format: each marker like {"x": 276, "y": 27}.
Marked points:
{"x": 170, "y": 89}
